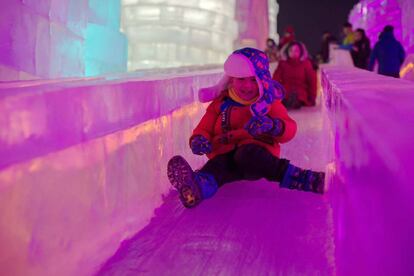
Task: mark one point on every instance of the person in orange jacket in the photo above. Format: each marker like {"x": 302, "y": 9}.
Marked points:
{"x": 241, "y": 133}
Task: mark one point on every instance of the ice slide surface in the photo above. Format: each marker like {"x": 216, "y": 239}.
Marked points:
{"x": 247, "y": 228}
{"x": 361, "y": 135}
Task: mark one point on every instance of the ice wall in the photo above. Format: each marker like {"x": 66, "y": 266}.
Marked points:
{"x": 373, "y": 15}
{"x": 340, "y": 57}
{"x": 83, "y": 165}
{"x": 255, "y": 27}
{"x": 372, "y": 195}
{"x": 171, "y": 33}
{"x": 52, "y": 39}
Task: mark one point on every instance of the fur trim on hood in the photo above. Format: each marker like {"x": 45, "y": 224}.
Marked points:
{"x": 285, "y": 49}
{"x": 247, "y": 62}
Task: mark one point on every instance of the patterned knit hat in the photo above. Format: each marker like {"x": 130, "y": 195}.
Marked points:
{"x": 243, "y": 63}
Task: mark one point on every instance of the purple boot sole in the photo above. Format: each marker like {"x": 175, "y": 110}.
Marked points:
{"x": 182, "y": 178}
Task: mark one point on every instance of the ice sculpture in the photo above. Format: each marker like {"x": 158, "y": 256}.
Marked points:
{"x": 373, "y": 15}
{"x": 50, "y": 39}
{"x": 255, "y": 27}
{"x": 171, "y": 33}
{"x": 105, "y": 47}
{"x": 273, "y": 11}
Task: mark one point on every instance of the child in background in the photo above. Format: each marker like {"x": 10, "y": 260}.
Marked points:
{"x": 348, "y": 37}
{"x": 295, "y": 72}
{"x": 241, "y": 134}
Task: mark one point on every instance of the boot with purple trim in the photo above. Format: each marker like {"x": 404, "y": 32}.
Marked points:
{"x": 305, "y": 180}
{"x": 193, "y": 186}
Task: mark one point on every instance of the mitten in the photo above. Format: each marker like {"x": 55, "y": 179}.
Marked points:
{"x": 200, "y": 145}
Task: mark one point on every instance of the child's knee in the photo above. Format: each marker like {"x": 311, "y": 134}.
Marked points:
{"x": 246, "y": 154}
{"x": 241, "y": 153}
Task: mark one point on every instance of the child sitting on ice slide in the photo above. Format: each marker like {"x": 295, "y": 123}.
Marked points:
{"x": 241, "y": 133}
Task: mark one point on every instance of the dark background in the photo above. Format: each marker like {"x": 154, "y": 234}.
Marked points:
{"x": 310, "y": 18}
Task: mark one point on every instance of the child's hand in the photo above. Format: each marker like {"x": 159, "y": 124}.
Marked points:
{"x": 200, "y": 145}
{"x": 259, "y": 125}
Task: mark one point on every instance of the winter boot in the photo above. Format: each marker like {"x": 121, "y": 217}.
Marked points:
{"x": 306, "y": 180}
{"x": 192, "y": 186}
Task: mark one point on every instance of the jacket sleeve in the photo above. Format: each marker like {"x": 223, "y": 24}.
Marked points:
{"x": 311, "y": 80}
{"x": 206, "y": 125}
{"x": 279, "y": 111}
{"x": 373, "y": 58}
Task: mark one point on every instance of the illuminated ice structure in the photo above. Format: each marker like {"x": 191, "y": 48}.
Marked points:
{"x": 273, "y": 11}
{"x": 373, "y": 15}
{"x": 72, "y": 38}
{"x": 171, "y": 33}
{"x": 255, "y": 27}
{"x": 54, "y": 39}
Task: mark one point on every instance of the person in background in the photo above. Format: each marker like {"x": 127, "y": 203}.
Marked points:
{"x": 389, "y": 54}
{"x": 271, "y": 50}
{"x": 361, "y": 49}
{"x": 348, "y": 39}
{"x": 327, "y": 39}
{"x": 314, "y": 61}
{"x": 296, "y": 74}
{"x": 288, "y": 36}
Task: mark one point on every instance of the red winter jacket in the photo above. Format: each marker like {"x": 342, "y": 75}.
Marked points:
{"x": 299, "y": 76}
{"x": 210, "y": 127}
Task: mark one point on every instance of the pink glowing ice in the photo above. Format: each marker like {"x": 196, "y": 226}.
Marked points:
{"x": 65, "y": 38}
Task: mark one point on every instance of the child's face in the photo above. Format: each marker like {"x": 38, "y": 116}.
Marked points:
{"x": 294, "y": 52}
{"x": 246, "y": 88}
